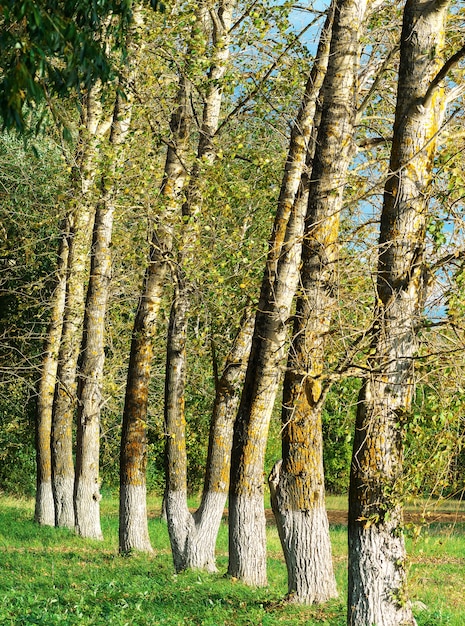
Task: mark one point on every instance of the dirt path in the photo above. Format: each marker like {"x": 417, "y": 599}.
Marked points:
{"x": 410, "y": 517}
{"x": 443, "y": 517}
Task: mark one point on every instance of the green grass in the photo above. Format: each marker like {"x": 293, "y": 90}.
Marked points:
{"x": 49, "y": 576}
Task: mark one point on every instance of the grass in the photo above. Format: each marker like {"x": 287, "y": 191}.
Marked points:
{"x": 49, "y": 576}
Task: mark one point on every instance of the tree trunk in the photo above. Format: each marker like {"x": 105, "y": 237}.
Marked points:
{"x": 199, "y": 548}
{"x": 247, "y": 540}
{"x": 377, "y": 574}
{"x": 298, "y": 490}
{"x": 193, "y": 538}
{"x": 45, "y": 505}
{"x": 92, "y": 358}
{"x": 81, "y": 218}
{"x": 178, "y": 516}
{"x": 133, "y": 532}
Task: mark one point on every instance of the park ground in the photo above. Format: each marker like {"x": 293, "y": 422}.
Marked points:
{"x": 50, "y": 576}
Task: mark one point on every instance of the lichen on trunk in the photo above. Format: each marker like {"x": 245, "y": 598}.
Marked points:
{"x": 81, "y": 219}
{"x": 247, "y": 560}
{"x": 297, "y": 485}
{"x": 377, "y": 574}
{"x": 44, "y": 504}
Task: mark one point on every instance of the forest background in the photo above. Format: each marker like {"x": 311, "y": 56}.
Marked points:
{"x": 151, "y": 150}
{"x": 271, "y": 54}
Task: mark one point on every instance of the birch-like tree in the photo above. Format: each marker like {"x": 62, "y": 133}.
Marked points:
{"x": 193, "y": 537}
{"x": 133, "y": 530}
{"x": 81, "y": 217}
{"x": 92, "y": 357}
{"x": 44, "y": 502}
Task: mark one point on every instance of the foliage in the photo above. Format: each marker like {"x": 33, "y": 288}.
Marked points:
{"x": 54, "y": 45}
{"x": 338, "y": 417}
{"x": 30, "y": 178}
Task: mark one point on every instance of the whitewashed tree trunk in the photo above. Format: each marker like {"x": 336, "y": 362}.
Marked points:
{"x": 92, "y": 358}
{"x": 201, "y": 540}
{"x": 44, "y": 504}
{"x": 193, "y": 537}
{"x": 81, "y": 225}
{"x": 133, "y": 530}
{"x": 304, "y": 535}
{"x": 377, "y": 570}
{"x": 298, "y": 492}
{"x": 247, "y": 540}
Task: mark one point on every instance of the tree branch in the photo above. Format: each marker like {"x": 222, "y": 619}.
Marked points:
{"x": 448, "y": 65}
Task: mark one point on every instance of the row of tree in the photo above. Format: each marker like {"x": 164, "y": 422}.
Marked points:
{"x": 315, "y": 322}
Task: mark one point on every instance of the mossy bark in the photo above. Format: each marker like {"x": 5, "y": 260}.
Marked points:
{"x": 377, "y": 571}
{"x": 44, "y": 503}
{"x": 81, "y": 219}
{"x": 247, "y": 549}
{"x": 299, "y": 493}
{"x": 92, "y": 357}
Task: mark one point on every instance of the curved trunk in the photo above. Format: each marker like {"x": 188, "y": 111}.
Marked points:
{"x": 377, "y": 574}
{"x": 194, "y": 546}
{"x": 179, "y": 519}
{"x": 45, "y": 505}
{"x": 247, "y": 540}
{"x": 299, "y": 493}
{"x": 133, "y": 529}
{"x": 193, "y": 538}
{"x": 201, "y": 539}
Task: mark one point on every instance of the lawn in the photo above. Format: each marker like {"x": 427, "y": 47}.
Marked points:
{"x": 49, "y": 576}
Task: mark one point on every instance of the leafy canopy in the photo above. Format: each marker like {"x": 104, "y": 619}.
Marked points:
{"x": 54, "y": 46}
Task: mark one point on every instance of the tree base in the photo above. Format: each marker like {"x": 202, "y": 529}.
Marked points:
{"x": 87, "y": 510}
{"x": 63, "y": 494}
{"x": 247, "y": 540}
{"x": 45, "y": 505}
{"x": 377, "y": 578}
{"x": 133, "y": 527}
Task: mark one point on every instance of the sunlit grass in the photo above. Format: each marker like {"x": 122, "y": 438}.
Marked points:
{"x": 49, "y": 576}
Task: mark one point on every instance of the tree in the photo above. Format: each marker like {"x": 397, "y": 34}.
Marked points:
{"x": 44, "y": 504}
{"x": 377, "y": 574}
{"x": 133, "y": 531}
{"x": 193, "y": 537}
{"x": 92, "y": 357}
{"x": 298, "y": 491}
{"x": 247, "y": 542}
{"x": 53, "y": 48}
{"x": 81, "y": 217}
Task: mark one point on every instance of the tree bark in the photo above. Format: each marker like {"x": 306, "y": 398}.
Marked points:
{"x": 193, "y": 537}
{"x": 81, "y": 219}
{"x": 179, "y": 519}
{"x": 298, "y": 490}
{"x": 200, "y": 549}
{"x": 247, "y": 540}
{"x": 87, "y": 489}
{"x": 377, "y": 572}
{"x": 44, "y": 504}
{"x": 133, "y": 531}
